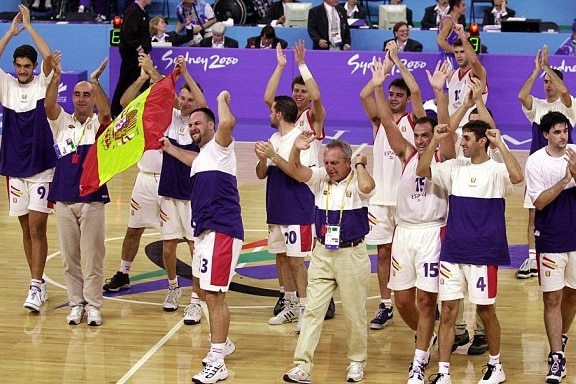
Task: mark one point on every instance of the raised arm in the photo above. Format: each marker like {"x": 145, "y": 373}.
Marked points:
{"x": 134, "y": 89}
{"x": 524, "y": 94}
{"x": 272, "y": 85}
{"x": 51, "y": 105}
{"x": 14, "y": 30}
{"x": 100, "y": 98}
{"x": 183, "y": 155}
{"x": 445, "y": 28}
{"x": 318, "y": 113}
{"x": 39, "y": 42}
{"x": 556, "y": 81}
{"x": 366, "y": 183}
{"x": 226, "y": 120}
{"x": 293, "y": 167}
{"x": 476, "y": 89}
{"x": 441, "y": 131}
{"x": 512, "y": 165}
{"x": 477, "y": 68}
{"x": 437, "y": 80}
{"x": 398, "y": 143}
{"x": 415, "y": 94}
{"x": 194, "y": 89}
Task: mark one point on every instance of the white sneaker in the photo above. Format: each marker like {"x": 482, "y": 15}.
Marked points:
{"x": 34, "y": 300}
{"x": 229, "y": 349}
{"x": 494, "y": 374}
{"x": 297, "y": 375}
{"x": 416, "y": 373}
{"x": 441, "y": 378}
{"x": 287, "y": 315}
{"x": 213, "y": 371}
{"x": 355, "y": 372}
{"x": 172, "y": 299}
{"x": 93, "y": 316}
{"x": 76, "y": 314}
{"x": 301, "y": 309}
{"x": 81, "y": 9}
{"x": 193, "y": 314}
{"x": 43, "y": 292}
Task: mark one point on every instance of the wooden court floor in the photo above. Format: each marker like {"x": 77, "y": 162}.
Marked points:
{"x": 139, "y": 343}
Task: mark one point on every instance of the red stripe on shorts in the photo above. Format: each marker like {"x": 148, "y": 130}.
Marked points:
{"x": 221, "y": 259}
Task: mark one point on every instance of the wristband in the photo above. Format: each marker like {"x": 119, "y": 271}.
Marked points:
{"x": 305, "y": 72}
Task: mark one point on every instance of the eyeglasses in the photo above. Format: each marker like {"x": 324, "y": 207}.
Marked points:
{"x": 403, "y": 30}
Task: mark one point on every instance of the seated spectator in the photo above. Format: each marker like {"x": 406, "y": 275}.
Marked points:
{"x": 275, "y": 15}
{"x": 36, "y": 4}
{"x": 569, "y": 46}
{"x": 218, "y": 39}
{"x": 499, "y": 12}
{"x": 100, "y": 8}
{"x": 266, "y": 40}
{"x": 328, "y": 27}
{"x": 198, "y": 13}
{"x": 158, "y": 34}
{"x": 353, "y": 10}
{"x": 435, "y": 13}
{"x": 408, "y": 12}
{"x": 401, "y": 37}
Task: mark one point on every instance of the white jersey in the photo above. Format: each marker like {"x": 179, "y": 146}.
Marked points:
{"x": 151, "y": 161}
{"x": 387, "y": 167}
{"x": 420, "y": 201}
{"x": 458, "y": 90}
{"x": 540, "y": 107}
{"x": 304, "y": 123}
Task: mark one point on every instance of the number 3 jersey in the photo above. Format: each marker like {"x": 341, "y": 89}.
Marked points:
{"x": 420, "y": 202}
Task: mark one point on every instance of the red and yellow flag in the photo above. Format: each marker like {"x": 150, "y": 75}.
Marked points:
{"x": 138, "y": 128}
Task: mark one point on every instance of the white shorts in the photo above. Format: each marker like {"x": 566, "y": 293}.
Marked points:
{"x": 26, "y": 196}
{"x": 175, "y": 219}
{"x": 556, "y": 270}
{"x": 293, "y": 240}
{"x": 527, "y": 201}
{"x": 145, "y": 202}
{"x": 216, "y": 256}
{"x": 480, "y": 280}
{"x": 415, "y": 258}
{"x": 381, "y": 219}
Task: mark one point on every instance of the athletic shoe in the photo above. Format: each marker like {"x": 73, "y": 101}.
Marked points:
{"x": 193, "y": 314}
{"x": 279, "y": 304}
{"x": 297, "y": 375}
{"x": 354, "y": 372}
{"x": 331, "y": 311}
{"x": 527, "y": 269}
{"x": 213, "y": 371}
{"x": 440, "y": 378}
{"x": 76, "y": 314}
{"x": 43, "y": 292}
{"x": 416, "y": 373}
{"x": 494, "y": 374}
{"x": 460, "y": 340}
{"x": 34, "y": 300}
{"x": 288, "y": 315}
{"x": 479, "y": 345}
{"x": 564, "y": 342}
{"x": 229, "y": 349}
{"x": 384, "y": 316}
{"x": 93, "y": 316}
{"x": 172, "y": 298}
{"x": 117, "y": 282}
{"x": 301, "y": 309}
{"x": 557, "y": 369}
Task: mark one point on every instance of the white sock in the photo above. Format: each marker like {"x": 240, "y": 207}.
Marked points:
{"x": 173, "y": 284}
{"x": 81, "y": 9}
{"x": 125, "y": 266}
{"x": 494, "y": 359}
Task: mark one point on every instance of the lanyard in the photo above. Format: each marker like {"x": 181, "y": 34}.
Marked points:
{"x": 348, "y": 181}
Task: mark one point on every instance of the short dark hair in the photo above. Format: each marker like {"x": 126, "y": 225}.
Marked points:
{"x": 287, "y": 107}
{"x": 478, "y": 128}
{"x": 400, "y": 83}
{"x": 475, "y": 111}
{"x": 344, "y": 146}
{"x": 452, "y": 4}
{"x": 458, "y": 43}
{"x": 26, "y": 51}
{"x": 557, "y": 72}
{"x": 268, "y": 32}
{"x": 399, "y": 25}
{"x": 297, "y": 80}
{"x": 185, "y": 86}
{"x": 207, "y": 112}
{"x": 426, "y": 120}
{"x": 550, "y": 119}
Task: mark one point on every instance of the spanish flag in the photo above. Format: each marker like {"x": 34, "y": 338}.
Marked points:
{"x": 138, "y": 128}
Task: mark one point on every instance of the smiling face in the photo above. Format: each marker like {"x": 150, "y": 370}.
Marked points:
{"x": 336, "y": 165}
{"x": 301, "y": 97}
{"x": 471, "y": 146}
{"x": 201, "y": 128}
{"x": 423, "y": 134}
{"x": 83, "y": 99}
{"x": 186, "y": 102}
{"x": 398, "y": 99}
{"x": 24, "y": 69}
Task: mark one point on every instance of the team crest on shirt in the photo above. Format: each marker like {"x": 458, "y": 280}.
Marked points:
{"x": 473, "y": 180}
{"x": 71, "y": 126}
{"x": 325, "y": 192}
{"x": 403, "y": 128}
{"x": 348, "y": 194}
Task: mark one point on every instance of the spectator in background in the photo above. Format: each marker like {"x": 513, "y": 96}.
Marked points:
{"x": 408, "y": 12}
{"x": 435, "y": 13}
{"x": 447, "y": 31}
{"x": 353, "y": 10}
{"x": 134, "y": 39}
{"x": 568, "y": 47}
{"x": 218, "y": 39}
{"x": 100, "y": 8}
{"x": 36, "y": 4}
{"x": 498, "y": 13}
{"x": 197, "y": 13}
{"x": 275, "y": 14}
{"x": 266, "y": 40}
{"x": 328, "y": 26}
{"x": 158, "y": 26}
{"x": 401, "y": 37}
